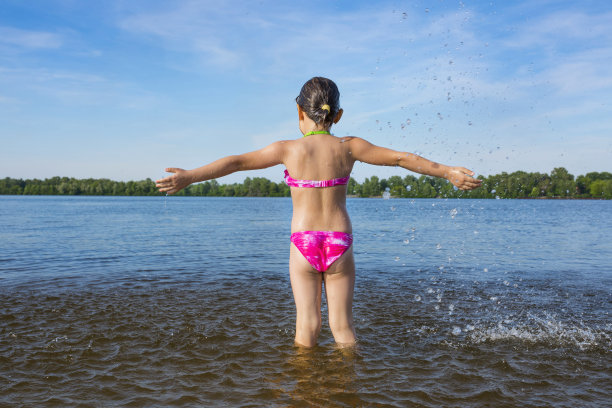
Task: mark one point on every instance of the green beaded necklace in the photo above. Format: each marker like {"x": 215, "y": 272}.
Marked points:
{"x": 318, "y": 132}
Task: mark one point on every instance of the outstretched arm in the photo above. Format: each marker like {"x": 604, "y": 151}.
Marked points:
{"x": 259, "y": 159}
{"x": 365, "y": 151}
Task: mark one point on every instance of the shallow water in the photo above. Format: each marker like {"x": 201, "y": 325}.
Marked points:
{"x": 186, "y": 302}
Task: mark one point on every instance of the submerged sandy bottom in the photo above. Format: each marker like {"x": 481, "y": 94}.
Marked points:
{"x": 159, "y": 341}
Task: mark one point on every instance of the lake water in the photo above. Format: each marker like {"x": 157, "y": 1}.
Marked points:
{"x": 155, "y": 301}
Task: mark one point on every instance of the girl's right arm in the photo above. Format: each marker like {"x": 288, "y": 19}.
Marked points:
{"x": 366, "y": 152}
{"x": 268, "y": 156}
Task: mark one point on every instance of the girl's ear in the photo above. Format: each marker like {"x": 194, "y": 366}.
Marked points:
{"x": 300, "y": 112}
{"x": 338, "y": 116}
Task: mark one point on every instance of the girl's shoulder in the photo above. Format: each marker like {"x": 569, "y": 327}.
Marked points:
{"x": 354, "y": 141}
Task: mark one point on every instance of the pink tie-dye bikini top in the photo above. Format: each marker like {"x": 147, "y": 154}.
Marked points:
{"x": 291, "y": 182}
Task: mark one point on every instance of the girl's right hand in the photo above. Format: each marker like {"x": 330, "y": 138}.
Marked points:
{"x": 462, "y": 178}
{"x": 174, "y": 183}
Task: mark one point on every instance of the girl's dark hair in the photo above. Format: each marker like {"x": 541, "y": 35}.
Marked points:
{"x": 315, "y": 94}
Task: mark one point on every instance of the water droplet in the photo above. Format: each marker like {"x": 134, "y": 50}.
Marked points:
{"x": 485, "y": 270}
{"x": 438, "y": 246}
{"x": 469, "y": 327}
{"x": 456, "y": 331}
{"x": 417, "y": 298}
{"x": 453, "y": 212}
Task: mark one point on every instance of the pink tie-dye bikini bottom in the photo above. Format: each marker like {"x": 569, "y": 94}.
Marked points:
{"x": 321, "y": 248}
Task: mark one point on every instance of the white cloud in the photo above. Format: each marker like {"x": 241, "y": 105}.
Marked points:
{"x": 192, "y": 27}
{"x": 7, "y": 100}
{"x": 583, "y": 72}
{"x": 281, "y": 131}
{"x": 77, "y": 88}
{"x": 556, "y": 29}
{"x": 29, "y": 39}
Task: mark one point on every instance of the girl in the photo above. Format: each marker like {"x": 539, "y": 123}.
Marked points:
{"x": 318, "y": 167}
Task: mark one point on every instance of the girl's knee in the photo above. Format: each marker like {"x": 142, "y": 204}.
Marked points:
{"x": 307, "y": 330}
{"x": 311, "y": 324}
{"x": 343, "y": 331}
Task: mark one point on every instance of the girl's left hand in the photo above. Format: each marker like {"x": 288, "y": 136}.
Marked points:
{"x": 174, "y": 183}
{"x": 462, "y": 178}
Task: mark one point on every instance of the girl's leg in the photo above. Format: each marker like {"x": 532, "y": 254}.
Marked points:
{"x": 306, "y": 284}
{"x": 339, "y": 288}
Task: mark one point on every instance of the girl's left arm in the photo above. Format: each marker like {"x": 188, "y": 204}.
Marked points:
{"x": 260, "y": 159}
{"x": 364, "y": 151}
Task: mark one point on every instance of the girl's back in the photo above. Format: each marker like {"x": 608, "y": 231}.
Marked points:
{"x": 319, "y": 157}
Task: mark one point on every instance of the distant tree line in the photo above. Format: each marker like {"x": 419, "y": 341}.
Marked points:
{"x": 519, "y": 184}
{"x": 256, "y": 187}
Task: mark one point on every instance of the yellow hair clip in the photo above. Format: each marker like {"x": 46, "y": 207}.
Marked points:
{"x": 326, "y": 107}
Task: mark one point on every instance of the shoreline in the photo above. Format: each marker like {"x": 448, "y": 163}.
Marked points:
{"x": 348, "y": 196}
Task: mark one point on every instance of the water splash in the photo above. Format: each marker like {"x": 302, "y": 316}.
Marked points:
{"x": 386, "y": 194}
{"x": 546, "y": 329}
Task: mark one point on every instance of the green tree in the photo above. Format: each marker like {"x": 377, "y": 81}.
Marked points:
{"x": 371, "y": 187}
{"x": 601, "y": 189}
{"x": 562, "y": 183}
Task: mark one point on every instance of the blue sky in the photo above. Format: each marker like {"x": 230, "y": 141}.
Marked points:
{"x": 123, "y": 89}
